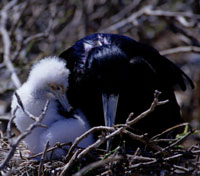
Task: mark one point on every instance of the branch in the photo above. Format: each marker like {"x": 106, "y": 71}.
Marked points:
{"x": 23, "y": 135}
{"x": 42, "y": 159}
{"x": 97, "y": 164}
{"x": 7, "y": 43}
{"x": 181, "y": 49}
{"x": 147, "y": 10}
{"x": 51, "y": 149}
{"x": 148, "y": 111}
{"x": 31, "y": 116}
{"x": 69, "y": 164}
{"x": 86, "y": 134}
{"x": 128, "y": 124}
{"x": 114, "y": 131}
{"x": 37, "y": 36}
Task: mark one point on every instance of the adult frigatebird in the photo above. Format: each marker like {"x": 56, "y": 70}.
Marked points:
{"x": 113, "y": 75}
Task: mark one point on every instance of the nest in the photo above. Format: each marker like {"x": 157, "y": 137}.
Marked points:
{"x": 162, "y": 154}
{"x": 152, "y": 159}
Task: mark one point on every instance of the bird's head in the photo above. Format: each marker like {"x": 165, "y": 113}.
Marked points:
{"x": 49, "y": 78}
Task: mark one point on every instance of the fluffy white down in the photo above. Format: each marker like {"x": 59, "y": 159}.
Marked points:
{"x": 34, "y": 96}
{"x": 48, "y": 70}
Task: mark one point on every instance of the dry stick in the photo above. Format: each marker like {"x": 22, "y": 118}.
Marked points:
{"x": 180, "y": 168}
{"x": 195, "y": 152}
{"x": 180, "y": 49}
{"x": 143, "y": 164}
{"x": 88, "y": 149}
{"x": 31, "y": 116}
{"x": 147, "y": 10}
{"x": 43, "y": 158}
{"x": 99, "y": 142}
{"x": 14, "y": 145}
{"x": 193, "y": 39}
{"x": 70, "y": 163}
{"x": 130, "y": 19}
{"x": 34, "y": 37}
{"x": 148, "y": 111}
{"x": 139, "y": 117}
{"x": 111, "y": 135}
{"x": 142, "y": 139}
{"x": 24, "y": 6}
{"x": 141, "y": 161}
{"x": 142, "y": 158}
{"x": 179, "y": 140}
{"x": 9, "y": 127}
{"x": 96, "y": 165}
{"x": 169, "y": 129}
{"x": 49, "y": 150}
{"x": 80, "y": 138}
{"x": 7, "y": 43}
{"x": 125, "y": 11}
{"x": 173, "y": 157}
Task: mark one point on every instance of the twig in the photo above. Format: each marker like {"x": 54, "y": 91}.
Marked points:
{"x": 42, "y": 159}
{"x": 173, "y": 157}
{"x": 147, "y": 10}
{"x": 21, "y": 12}
{"x": 97, "y": 164}
{"x": 7, "y": 43}
{"x": 142, "y": 158}
{"x": 169, "y": 129}
{"x": 193, "y": 39}
{"x": 80, "y": 138}
{"x": 49, "y": 150}
{"x": 99, "y": 142}
{"x": 37, "y": 36}
{"x": 23, "y": 135}
{"x": 146, "y": 141}
{"x": 9, "y": 127}
{"x": 113, "y": 131}
{"x": 31, "y": 116}
{"x": 179, "y": 141}
{"x": 129, "y": 123}
{"x": 81, "y": 154}
{"x": 70, "y": 163}
{"x": 130, "y": 19}
{"x": 129, "y": 117}
{"x": 148, "y": 163}
{"x": 176, "y": 142}
{"x": 181, "y": 168}
{"x": 181, "y": 49}
{"x": 148, "y": 111}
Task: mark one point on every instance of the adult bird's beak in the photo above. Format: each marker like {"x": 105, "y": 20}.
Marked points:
{"x": 109, "y": 108}
{"x": 62, "y": 98}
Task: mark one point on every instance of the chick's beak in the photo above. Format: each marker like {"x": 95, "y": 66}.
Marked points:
{"x": 62, "y": 98}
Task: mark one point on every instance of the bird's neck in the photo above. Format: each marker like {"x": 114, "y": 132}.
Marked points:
{"x": 39, "y": 94}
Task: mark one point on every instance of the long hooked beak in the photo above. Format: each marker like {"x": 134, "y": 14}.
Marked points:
{"x": 62, "y": 98}
{"x": 110, "y": 109}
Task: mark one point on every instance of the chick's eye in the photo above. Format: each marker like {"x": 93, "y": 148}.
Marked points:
{"x": 55, "y": 87}
{"x": 58, "y": 87}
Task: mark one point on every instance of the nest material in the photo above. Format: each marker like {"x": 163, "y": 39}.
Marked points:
{"x": 172, "y": 159}
{"x": 162, "y": 154}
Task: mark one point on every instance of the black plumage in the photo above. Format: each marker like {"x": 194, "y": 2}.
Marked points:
{"x": 116, "y": 64}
